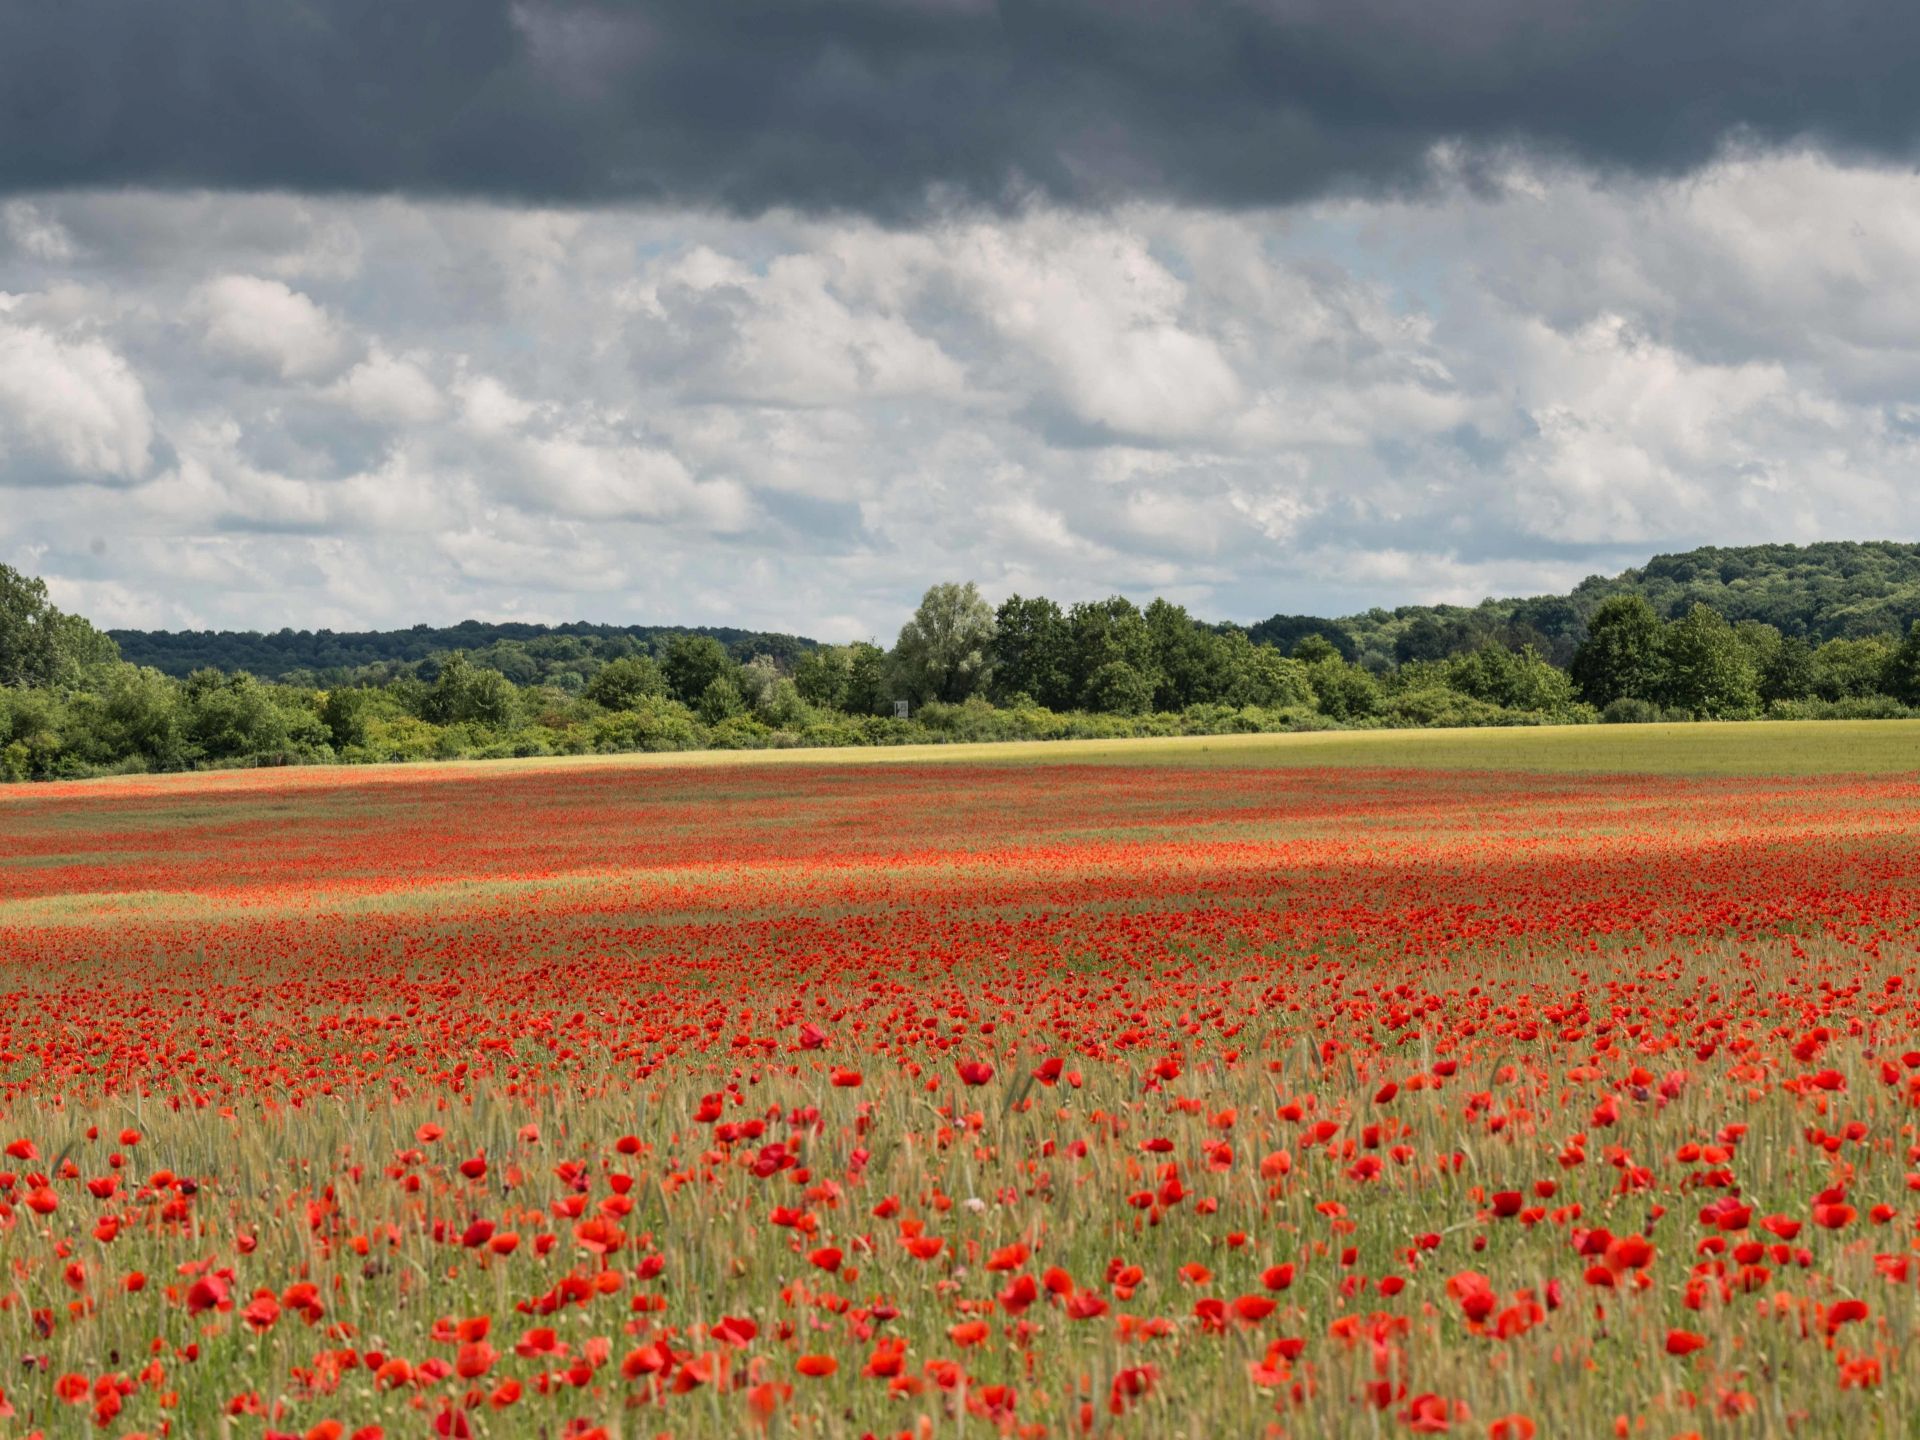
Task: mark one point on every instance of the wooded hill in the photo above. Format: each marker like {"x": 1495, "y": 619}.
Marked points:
{"x": 1840, "y": 589}
{"x": 526, "y": 654}
{"x": 1831, "y": 590}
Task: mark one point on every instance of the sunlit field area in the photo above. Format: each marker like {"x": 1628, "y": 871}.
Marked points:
{"x": 1499, "y": 1084}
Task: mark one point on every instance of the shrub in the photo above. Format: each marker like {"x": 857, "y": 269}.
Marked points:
{"x": 720, "y": 701}
{"x": 1630, "y": 710}
{"x": 1437, "y": 707}
{"x": 1854, "y": 707}
{"x": 837, "y": 731}
{"x": 654, "y": 723}
{"x": 1344, "y": 691}
{"x": 739, "y": 732}
{"x": 1223, "y": 720}
{"x": 396, "y": 737}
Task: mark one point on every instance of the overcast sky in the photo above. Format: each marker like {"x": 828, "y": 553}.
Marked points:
{"x": 356, "y": 313}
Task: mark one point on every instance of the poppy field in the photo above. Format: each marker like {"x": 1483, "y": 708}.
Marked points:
{"x": 1114, "y": 1098}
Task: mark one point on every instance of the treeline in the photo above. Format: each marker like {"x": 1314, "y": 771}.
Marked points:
{"x": 527, "y": 654}
{"x": 1841, "y": 589}
{"x": 960, "y": 669}
{"x": 1629, "y": 664}
{"x": 1832, "y": 590}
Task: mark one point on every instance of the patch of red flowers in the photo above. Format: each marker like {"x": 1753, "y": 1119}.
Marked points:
{"x": 1052, "y": 1099}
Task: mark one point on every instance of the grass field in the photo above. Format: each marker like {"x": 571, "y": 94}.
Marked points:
{"x": 1504, "y": 1084}
{"x": 1808, "y": 747}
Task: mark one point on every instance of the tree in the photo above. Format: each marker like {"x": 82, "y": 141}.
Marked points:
{"x": 1901, "y": 679}
{"x": 513, "y": 660}
{"x": 1790, "y": 672}
{"x": 720, "y": 701}
{"x": 464, "y": 694}
{"x": 692, "y": 664}
{"x": 1261, "y": 676}
{"x": 1032, "y": 652}
{"x": 344, "y": 713}
{"x": 1761, "y": 642}
{"x": 1425, "y": 639}
{"x": 1105, "y": 631}
{"x": 1622, "y": 654}
{"x": 1116, "y": 688}
{"x": 945, "y": 652}
{"x": 1274, "y": 681}
{"x": 1286, "y": 632}
{"x": 866, "y": 692}
{"x": 755, "y": 678}
{"x": 820, "y": 677}
{"x": 1706, "y": 669}
{"x": 1499, "y": 676}
{"x": 1192, "y": 659}
{"x": 1850, "y": 669}
{"x": 622, "y": 684}
{"x": 781, "y": 706}
{"x": 39, "y": 645}
{"x": 231, "y": 716}
{"x": 140, "y": 714}
{"x": 1343, "y": 691}
{"x": 32, "y": 734}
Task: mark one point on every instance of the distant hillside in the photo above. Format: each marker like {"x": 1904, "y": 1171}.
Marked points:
{"x": 525, "y": 654}
{"x": 1834, "y": 589}
{"x": 1820, "y": 592}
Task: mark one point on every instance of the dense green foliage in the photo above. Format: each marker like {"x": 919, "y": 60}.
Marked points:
{"x": 1841, "y": 589}
{"x": 40, "y": 645}
{"x": 1640, "y": 647}
{"x": 562, "y": 655}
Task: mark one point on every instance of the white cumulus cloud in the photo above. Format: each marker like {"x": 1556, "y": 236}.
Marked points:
{"x": 73, "y": 402}
{"x": 266, "y": 323}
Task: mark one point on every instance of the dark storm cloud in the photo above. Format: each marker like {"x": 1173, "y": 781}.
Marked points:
{"x": 870, "y": 105}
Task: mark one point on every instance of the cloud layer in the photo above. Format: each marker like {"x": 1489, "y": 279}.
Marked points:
{"x": 881, "y": 106}
{"x": 259, "y": 410}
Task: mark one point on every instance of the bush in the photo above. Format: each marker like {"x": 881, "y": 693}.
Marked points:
{"x": 1087, "y": 725}
{"x": 1269, "y": 680}
{"x": 1297, "y": 718}
{"x": 1867, "y": 707}
{"x": 1436, "y": 707}
{"x": 1223, "y": 720}
{"x": 456, "y": 742}
{"x": 739, "y": 732}
{"x": 835, "y": 732}
{"x": 1857, "y": 707}
{"x": 1630, "y": 710}
{"x": 720, "y": 701}
{"x": 885, "y": 730}
{"x": 396, "y": 737}
{"x": 1343, "y": 691}
{"x": 975, "y": 720}
{"x": 1513, "y": 680}
{"x": 781, "y": 706}
{"x": 654, "y": 723}
{"x": 465, "y": 694}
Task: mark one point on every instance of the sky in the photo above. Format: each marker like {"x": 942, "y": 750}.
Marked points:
{"x": 355, "y": 313}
